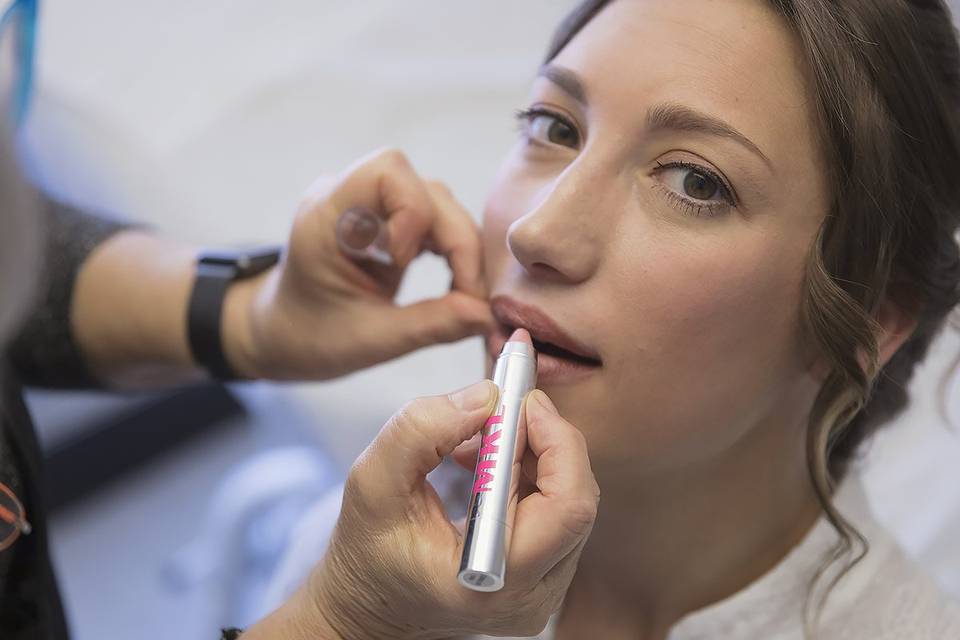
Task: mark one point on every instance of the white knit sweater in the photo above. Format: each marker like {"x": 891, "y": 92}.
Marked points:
{"x": 885, "y": 597}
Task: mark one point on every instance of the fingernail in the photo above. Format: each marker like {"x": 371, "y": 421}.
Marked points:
{"x": 476, "y": 396}
{"x": 541, "y": 398}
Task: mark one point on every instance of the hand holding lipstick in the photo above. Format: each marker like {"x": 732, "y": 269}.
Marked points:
{"x": 391, "y": 568}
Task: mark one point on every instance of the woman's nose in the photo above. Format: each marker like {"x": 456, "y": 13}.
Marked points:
{"x": 561, "y": 238}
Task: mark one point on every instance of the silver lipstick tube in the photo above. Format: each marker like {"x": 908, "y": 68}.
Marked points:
{"x": 485, "y": 547}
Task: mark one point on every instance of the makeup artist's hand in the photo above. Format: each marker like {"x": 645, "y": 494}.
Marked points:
{"x": 319, "y": 314}
{"x": 391, "y": 568}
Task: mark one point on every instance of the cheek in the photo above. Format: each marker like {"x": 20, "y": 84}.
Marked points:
{"x": 724, "y": 301}
{"x": 709, "y": 335}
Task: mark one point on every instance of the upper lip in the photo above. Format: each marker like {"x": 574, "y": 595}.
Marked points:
{"x": 513, "y": 314}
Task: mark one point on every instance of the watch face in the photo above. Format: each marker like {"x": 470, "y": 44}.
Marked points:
{"x": 246, "y": 262}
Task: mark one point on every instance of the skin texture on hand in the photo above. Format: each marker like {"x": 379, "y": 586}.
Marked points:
{"x": 390, "y": 571}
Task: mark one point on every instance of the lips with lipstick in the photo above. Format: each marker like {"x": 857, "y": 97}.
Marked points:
{"x": 560, "y": 357}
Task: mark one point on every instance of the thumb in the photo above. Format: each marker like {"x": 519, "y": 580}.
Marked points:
{"x": 416, "y": 439}
{"x": 453, "y": 317}
{"x": 551, "y": 522}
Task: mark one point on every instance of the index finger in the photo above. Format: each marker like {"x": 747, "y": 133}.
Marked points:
{"x": 415, "y": 440}
{"x": 419, "y": 215}
{"x": 456, "y": 236}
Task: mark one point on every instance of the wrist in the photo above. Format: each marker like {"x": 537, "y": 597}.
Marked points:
{"x": 296, "y": 619}
{"x": 237, "y": 328}
{"x": 352, "y": 611}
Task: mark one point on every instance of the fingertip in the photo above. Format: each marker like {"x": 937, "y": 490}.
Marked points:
{"x": 474, "y": 313}
{"x": 453, "y": 317}
{"x": 539, "y": 402}
{"x": 479, "y": 395}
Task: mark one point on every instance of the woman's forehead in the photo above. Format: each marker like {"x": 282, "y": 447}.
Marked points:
{"x": 735, "y": 60}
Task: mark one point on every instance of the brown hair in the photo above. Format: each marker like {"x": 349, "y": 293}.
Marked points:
{"x": 886, "y": 79}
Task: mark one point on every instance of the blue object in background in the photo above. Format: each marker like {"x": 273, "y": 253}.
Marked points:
{"x": 18, "y": 28}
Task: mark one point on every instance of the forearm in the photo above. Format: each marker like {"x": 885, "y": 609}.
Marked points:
{"x": 129, "y": 313}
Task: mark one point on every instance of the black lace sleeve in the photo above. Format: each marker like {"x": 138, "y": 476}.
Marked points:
{"x": 45, "y": 353}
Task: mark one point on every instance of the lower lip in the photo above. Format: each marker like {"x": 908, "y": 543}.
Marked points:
{"x": 550, "y": 369}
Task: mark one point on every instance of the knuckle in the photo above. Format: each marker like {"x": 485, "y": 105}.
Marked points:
{"x": 580, "y": 514}
{"x": 393, "y": 157}
{"x": 414, "y": 421}
{"x": 439, "y": 187}
{"x": 408, "y": 416}
{"x": 467, "y": 240}
{"x": 356, "y": 485}
{"x": 578, "y": 442}
{"x": 307, "y": 207}
{"x": 577, "y": 435}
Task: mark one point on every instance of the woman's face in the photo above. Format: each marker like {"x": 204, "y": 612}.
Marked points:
{"x": 654, "y": 217}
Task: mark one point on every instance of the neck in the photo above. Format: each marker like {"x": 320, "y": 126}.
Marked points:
{"x": 674, "y": 542}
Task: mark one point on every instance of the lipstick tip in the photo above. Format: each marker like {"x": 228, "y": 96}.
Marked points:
{"x": 521, "y": 335}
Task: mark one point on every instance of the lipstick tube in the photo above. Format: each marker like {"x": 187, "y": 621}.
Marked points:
{"x": 485, "y": 547}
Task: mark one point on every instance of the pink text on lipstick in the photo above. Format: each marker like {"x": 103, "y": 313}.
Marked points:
{"x": 488, "y": 447}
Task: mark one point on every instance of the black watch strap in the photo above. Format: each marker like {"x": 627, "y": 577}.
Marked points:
{"x": 215, "y": 273}
{"x": 205, "y": 316}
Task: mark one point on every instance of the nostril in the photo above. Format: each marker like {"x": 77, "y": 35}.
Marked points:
{"x": 542, "y": 269}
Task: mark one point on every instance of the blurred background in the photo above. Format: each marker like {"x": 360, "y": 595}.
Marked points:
{"x": 206, "y": 121}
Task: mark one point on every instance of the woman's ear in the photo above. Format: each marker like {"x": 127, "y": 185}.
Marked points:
{"x": 896, "y": 326}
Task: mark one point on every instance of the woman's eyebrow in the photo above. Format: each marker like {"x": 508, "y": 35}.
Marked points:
{"x": 678, "y": 117}
{"x": 566, "y": 80}
{"x": 662, "y": 117}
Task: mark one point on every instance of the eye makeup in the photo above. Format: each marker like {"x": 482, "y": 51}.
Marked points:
{"x": 690, "y": 204}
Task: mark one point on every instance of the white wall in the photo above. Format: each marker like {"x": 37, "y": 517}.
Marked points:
{"x": 209, "y": 119}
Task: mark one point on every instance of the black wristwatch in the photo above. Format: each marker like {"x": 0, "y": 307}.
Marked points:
{"x": 216, "y": 270}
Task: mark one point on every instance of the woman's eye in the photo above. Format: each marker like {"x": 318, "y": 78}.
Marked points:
{"x": 696, "y": 189}
{"x": 548, "y": 128}
{"x": 691, "y": 182}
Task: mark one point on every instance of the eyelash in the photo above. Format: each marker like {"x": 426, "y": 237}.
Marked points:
{"x": 689, "y": 206}
{"x": 526, "y": 116}
{"x": 698, "y": 207}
